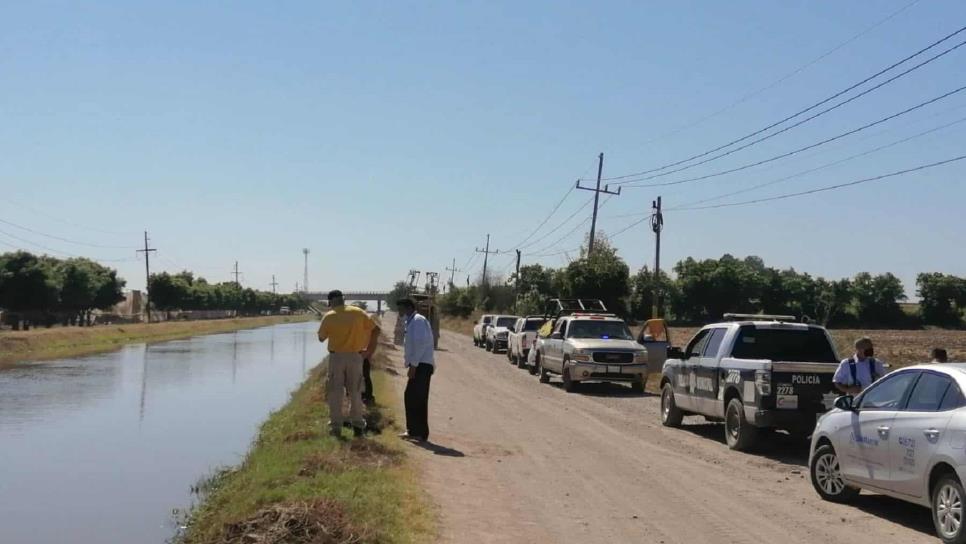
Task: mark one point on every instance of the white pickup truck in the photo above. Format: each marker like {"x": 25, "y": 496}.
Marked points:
{"x": 479, "y": 330}
{"x": 522, "y": 337}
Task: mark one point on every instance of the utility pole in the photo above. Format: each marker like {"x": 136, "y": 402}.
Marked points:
{"x": 236, "y": 273}
{"x": 486, "y": 254}
{"x": 305, "y": 276}
{"x": 657, "y": 225}
{"x": 147, "y": 274}
{"x": 597, "y": 192}
{"x": 273, "y": 284}
{"x": 452, "y": 271}
{"x": 517, "y": 281}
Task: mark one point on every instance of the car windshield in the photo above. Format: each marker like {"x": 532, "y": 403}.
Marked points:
{"x": 533, "y": 324}
{"x": 599, "y": 329}
{"x": 506, "y": 321}
{"x": 798, "y": 344}
{"x": 487, "y": 319}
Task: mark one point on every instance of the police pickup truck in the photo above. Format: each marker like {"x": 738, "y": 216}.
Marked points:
{"x": 757, "y": 373}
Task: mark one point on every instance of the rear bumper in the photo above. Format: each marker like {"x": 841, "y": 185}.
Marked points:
{"x": 789, "y": 420}
{"x": 607, "y": 373}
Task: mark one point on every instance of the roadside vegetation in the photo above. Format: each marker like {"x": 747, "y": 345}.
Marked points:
{"x": 60, "y": 342}
{"x": 299, "y": 485}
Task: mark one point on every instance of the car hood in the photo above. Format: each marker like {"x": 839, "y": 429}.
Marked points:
{"x": 497, "y": 330}
{"x": 601, "y": 344}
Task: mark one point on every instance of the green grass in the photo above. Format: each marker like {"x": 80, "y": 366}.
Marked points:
{"x": 61, "y": 342}
{"x": 293, "y": 461}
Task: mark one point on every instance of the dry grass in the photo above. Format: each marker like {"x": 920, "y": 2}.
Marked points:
{"x": 317, "y": 522}
{"x": 60, "y": 342}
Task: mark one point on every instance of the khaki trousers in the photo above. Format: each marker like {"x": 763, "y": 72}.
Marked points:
{"x": 345, "y": 377}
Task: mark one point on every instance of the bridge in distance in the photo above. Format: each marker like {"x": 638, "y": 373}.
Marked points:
{"x": 378, "y": 296}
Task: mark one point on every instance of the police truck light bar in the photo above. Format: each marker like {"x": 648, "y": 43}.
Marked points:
{"x": 759, "y": 317}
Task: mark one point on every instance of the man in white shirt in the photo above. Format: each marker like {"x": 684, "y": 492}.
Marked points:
{"x": 419, "y": 366}
{"x": 860, "y": 370}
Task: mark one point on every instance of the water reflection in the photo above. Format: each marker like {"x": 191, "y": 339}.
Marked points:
{"x": 102, "y": 448}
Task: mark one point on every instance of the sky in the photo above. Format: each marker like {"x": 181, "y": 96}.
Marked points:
{"x": 389, "y": 136}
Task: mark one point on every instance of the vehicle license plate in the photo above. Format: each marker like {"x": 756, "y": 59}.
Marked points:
{"x": 613, "y": 370}
{"x": 786, "y": 402}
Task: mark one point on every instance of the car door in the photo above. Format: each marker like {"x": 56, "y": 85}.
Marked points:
{"x": 865, "y": 441}
{"x": 685, "y": 381}
{"x": 554, "y": 347}
{"x": 919, "y": 429}
{"x": 706, "y": 372}
{"x": 513, "y": 341}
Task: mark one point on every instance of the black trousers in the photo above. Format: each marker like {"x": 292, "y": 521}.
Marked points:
{"x": 367, "y": 395}
{"x": 417, "y": 401}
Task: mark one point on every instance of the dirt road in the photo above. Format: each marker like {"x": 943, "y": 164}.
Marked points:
{"x": 513, "y": 460}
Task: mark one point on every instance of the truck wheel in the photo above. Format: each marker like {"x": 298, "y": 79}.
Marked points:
{"x": 827, "y": 478}
{"x": 521, "y": 362}
{"x": 671, "y": 415}
{"x": 639, "y": 386}
{"x": 739, "y": 434}
{"x": 947, "y": 510}
{"x": 544, "y": 375}
{"x": 488, "y": 347}
{"x": 569, "y": 384}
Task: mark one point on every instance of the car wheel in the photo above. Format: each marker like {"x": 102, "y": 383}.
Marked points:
{"x": 827, "y": 476}
{"x": 488, "y": 347}
{"x": 542, "y": 372}
{"x": 947, "y": 509}
{"x": 521, "y": 361}
{"x": 639, "y": 385}
{"x": 569, "y": 384}
{"x": 739, "y": 434}
{"x": 671, "y": 415}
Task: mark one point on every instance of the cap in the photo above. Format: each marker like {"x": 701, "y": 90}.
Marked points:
{"x": 335, "y": 294}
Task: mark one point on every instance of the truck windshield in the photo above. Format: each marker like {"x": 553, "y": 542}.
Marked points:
{"x": 487, "y": 319}
{"x": 506, "y": 321}
{"x": 599, "y": 329}
{"x": 533, "y": 324}
{"x": 799, "y": 345}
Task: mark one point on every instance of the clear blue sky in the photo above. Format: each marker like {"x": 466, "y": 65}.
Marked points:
{"x": 395, "y": 135}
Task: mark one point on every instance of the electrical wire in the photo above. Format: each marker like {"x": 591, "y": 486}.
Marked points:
{"x": 560, "y": 225}
{"x": 57, "y": 251}
{"x": 806, "y": 148}
{"x": 797, "y": 124}
{"x": 545, "y": 219}
{"x": 782, "y": 79}
{"x": 824, "y": 166}
{"x": 8, "y": 200}
{"x": 790, "y": 117}
{"x": 827, "y": 187}
{"x": 67, "y": 240}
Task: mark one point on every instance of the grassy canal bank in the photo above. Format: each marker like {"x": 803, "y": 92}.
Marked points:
{"x": 299, "y": 485}
{"x": 60, "y": 342}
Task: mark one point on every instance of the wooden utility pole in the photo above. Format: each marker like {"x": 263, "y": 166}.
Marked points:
{"x": 486, "y": 254}
{"x": 597, "y": 191}
{"x": 273, "y": 284}
{"x": 517, "y": 281}
{"x": 236, "y": 273}
{"x": 657, "y": 224}
{"x": 452, "y": 271}
{"x": 147, "y": 274}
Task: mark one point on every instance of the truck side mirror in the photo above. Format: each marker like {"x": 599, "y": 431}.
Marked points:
{"x": 845, "y": 402}
{"x": 675, "y": 353}
{"x": 556, "y": 336}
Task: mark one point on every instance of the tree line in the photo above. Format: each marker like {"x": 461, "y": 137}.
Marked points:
{"x": 43, "y": 290}
{"x": 700, "y": 291}
{"x": 184, "y": 291}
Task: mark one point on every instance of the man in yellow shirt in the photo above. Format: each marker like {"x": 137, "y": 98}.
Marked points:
{"x": 352, "y": 337}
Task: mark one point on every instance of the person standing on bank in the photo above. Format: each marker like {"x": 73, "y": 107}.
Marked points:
{"x": 860, "y": 370}
{"x": 939, "y": 355}
{"x": 419, "y": 367}
{"x": 352, "y": 337}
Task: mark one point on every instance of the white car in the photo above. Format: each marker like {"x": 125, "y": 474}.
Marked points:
{"x": 498, "y": 332}
{"x": 479, "y": 329}
{"x": 521, "y": 339}
{"x": 904, "y": 436}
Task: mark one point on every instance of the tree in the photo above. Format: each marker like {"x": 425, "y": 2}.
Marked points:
{"x": 834, "y": 298}
{"x": 877, "y": 298}
{"x": 535, "y": 278}
{"x": 602, "y": 274}
{"x": 28, "y": 287}
{"x": 942, "y": 299}
{"x": 707, "y": 289}
{"x": 400, "y": 289}
{"x": 642, "y": 293}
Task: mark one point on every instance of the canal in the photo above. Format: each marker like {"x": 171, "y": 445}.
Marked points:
{"x": 105, "y": 448}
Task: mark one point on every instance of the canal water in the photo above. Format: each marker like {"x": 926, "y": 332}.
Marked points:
{"x": 103, "y": 449}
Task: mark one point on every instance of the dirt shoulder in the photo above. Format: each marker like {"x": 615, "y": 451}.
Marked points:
{"x": 512, "y": 460}
{"x": 60, "y": 342}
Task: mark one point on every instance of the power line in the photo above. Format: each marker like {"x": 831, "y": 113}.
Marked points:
{"x": 786, "y": 77}
{"x": 790, "y": 117}
{"x": 569, "y": 232}
{"x": 828, "y": 187}
{"x": 69, "y": 241}
{"x": 560, "y": 225}
{"x": 545, "y": 219}
{"x": 806, "y": 148}
{"x": 799, "y": 123}
{"x": 57, "y": 251}
{"x": 8, "y": 200}
{"x": 826, "y": 165}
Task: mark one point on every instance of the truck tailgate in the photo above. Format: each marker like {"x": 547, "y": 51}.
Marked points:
{"x": 803, "y": 386}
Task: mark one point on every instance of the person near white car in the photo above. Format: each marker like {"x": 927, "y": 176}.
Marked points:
{"x": 860, "y": 370}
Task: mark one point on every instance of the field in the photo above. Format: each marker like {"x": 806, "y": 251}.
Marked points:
{"x": 59, "y": 342}
{"x": 896, "y": 347}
